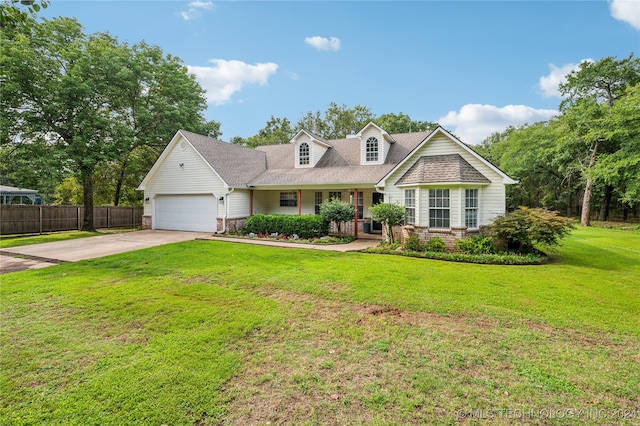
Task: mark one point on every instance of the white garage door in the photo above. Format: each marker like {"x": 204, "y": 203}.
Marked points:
{"x": 186, "y": 213}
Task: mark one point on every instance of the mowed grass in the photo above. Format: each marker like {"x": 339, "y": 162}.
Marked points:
{"x": 210, "y": 332}
{"x": 8, "y": 241}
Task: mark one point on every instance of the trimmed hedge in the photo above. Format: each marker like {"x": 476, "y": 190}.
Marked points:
{"x": 308, "y": 226}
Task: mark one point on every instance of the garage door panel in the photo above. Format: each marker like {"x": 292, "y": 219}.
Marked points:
{"x": 186, "y": 213}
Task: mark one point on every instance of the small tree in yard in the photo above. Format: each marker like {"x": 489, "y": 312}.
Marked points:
{"x": 337, "y": 211}
{"x": 390, "y": 215}
{"x": 525, "y": 227}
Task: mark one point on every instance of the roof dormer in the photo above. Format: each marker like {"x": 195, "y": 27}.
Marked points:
{"x": 374, "y": 144}
{"x": 309, "y": 149}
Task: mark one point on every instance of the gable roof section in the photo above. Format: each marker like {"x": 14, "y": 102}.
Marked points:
{"x": 313, "y": 137}
{"x": 339, "y": 165}
{"x": 442, "y": 168}
{"x": 384, "y": 133}
{"x": 505, "y": 179}
{"x": 234, "y": 164}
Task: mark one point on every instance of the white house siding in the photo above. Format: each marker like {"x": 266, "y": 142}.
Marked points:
{"x": 492, "y": 197}
{"x": 316, "y": 151}
{"x": 194, "y": 177}
{"x": 239, "y": 201}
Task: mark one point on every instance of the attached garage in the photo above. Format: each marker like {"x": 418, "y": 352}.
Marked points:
{"x": 186, "y": 213}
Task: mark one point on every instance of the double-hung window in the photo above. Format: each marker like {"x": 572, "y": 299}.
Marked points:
{"x": 410, "y": 206}
{"x": 335, "y": 194}
{"x": 439, "y": 208}
{"x": 317, "y": 201}
{"x": 289, "y": 199}
{"x": 471, "y": 208}
{"x": 360, "y": 203}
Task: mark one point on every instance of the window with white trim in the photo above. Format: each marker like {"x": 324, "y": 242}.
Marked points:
{"x": 371, "y": 147}
{"x": 303, "y": 152}
{"x": 471, "y": 208}
{"x": 289, "y": 199}
{"x": 360, "y": 203}
{"x": 410, "y": 206}
{"x": 317, "y": 201}
{"x": 439, "y": 208}
{"x": 335, "y": 194}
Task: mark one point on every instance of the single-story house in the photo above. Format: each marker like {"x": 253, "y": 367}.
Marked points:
{"x": 202, "y": 184}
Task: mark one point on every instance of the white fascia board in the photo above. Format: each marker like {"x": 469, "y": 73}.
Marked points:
{"x": 384, "y": 133}
{"x": 311, "y": 136}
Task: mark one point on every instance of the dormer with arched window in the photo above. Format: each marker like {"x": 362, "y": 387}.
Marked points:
{"x": 374, "y": 144}
{"x": 309, "y": 149}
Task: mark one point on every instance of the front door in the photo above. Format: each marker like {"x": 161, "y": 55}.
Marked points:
{"x": 377, "y": 198}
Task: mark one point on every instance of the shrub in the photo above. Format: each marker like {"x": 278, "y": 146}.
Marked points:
{"x": 337, "y": 211}
{"x": 476, "y": 245}
{"x": 525, "y": 227}
{"x": 413, "y": 243}
{"x": 389, "y": 214}
{"x": 308, "y": 226}
{"x": 435, "y": 245}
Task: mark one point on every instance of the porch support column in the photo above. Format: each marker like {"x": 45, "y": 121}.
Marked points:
{"x": 355, "y": 218}
{"x": 299, "y": 202}
{"x": 251, "y": 202}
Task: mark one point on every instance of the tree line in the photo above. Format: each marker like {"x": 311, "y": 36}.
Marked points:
{"x": 587, "y": 157}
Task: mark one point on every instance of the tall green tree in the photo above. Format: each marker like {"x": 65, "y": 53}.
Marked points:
{"x": 590, "y": 92}
{"x": 402, "y": 123}
{"x": 336, "y": 122}
{"x": 92, "y": 100}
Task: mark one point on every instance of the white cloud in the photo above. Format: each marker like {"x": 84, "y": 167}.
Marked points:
{"x": 550, "y": 84}
{"x": 195, "y": 8}
{"x": 475, "y": 122}
{"x": 225, "y": 78}
{"x": 627, "y": 11}
{"x": 322, "y": 43}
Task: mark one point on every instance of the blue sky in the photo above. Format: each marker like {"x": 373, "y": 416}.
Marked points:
{"x": 475, "y": 67}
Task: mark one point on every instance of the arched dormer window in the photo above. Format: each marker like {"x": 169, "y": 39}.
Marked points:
{"x": 304, "y": 154}
{"x": 372, "y": 147}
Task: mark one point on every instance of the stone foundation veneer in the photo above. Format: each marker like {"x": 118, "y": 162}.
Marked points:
{"x": 146, "y": 222}
{"x": 233, "y": 225}
{"x": 449, "y": 236}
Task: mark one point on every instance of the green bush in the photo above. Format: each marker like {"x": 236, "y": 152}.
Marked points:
{"x": 390, "y": 215}
{"x": 337, "y": 211}
{"x": 435, "y": 245}
{"x": 476, "y": 245}
{"x": 308, "y": 226}
{"x": 524, "y": 228}
{"x": 413, "y": 243}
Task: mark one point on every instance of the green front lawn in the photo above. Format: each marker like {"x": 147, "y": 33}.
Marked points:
{"x": 209, "y": 332}
{"x": 7, "y": 241}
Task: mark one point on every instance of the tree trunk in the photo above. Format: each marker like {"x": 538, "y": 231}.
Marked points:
{"x": 119, "y": 183}
{"x": 585, "y": 219}
{"x": 87, "y": 187}
{"x": 606, "y": 204}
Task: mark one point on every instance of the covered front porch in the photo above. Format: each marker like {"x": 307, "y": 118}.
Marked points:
{"x": 307, "y": 201}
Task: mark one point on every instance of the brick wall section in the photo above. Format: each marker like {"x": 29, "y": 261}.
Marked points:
{"x": 449, "y": 236}
{"x": 233, "y": 225}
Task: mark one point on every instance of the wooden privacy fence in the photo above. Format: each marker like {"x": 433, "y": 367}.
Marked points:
{"x": 19, "y": 219}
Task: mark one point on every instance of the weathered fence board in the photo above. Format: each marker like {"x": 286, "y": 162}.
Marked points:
{"x": 20, "y": 219}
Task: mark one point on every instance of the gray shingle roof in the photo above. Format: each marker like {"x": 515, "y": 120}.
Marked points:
{"x": 442, "y": 168}
{"x": 235, "y": 164}
{"x": 275, "y": 164}
{"x": 340, "y": 164}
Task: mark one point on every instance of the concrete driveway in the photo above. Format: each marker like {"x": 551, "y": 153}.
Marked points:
{"x": 46, "y": 254}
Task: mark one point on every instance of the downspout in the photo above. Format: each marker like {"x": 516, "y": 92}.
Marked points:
{"x": 225, "y": 212}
